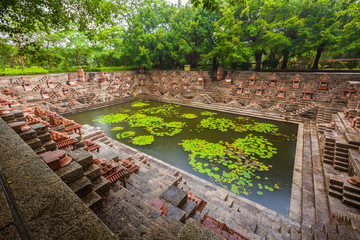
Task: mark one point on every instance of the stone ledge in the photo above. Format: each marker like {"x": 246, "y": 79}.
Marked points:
{"x": 48, "y": 206}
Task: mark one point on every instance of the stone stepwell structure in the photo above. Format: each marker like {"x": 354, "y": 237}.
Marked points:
{"x": 66, "y": 181}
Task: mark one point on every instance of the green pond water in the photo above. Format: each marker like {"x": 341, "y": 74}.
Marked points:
{"x": 252, "y": 157}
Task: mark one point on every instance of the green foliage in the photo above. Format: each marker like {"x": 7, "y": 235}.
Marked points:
{"x": 140, "y": 103}
{"x": 207, "y": 113}
{"x": 270, "y": 63}
{"x": 127, "y": 134}
{"x": 143, "y": 140}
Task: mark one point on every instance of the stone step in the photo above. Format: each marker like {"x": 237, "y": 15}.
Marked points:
{"x": 175, "y": 196}
{"x": 195, "y": 230}
{"x": 351, "y": 202}
{"x": 34, "y": 143}
{"x": 50, "y": 145}
{"x": 343, "y": 169}
{"x": 189, "y": 208}
{"x": 351, "y": 195}
{"x": 81, "y": 186}
{"x": 39, "y": 128}
{"x": 336, "y": 188}
{"x": 84, "y": 158}
{"x": 351, "y": 188}
{"x": 40, "y": 150}
{"x": 70, "y": 172}
{"x": 29, "y": 134}
{"x": 44, "y": 137}
{"x": 92, "y": 200}
{"x": 101, "y": 185}
{"x": 129, "y": 232}
{"x": 92, "y": 172}
{"x": 341, "y": 164}
{"x": 335, "y": 194}
{"x": 175, "y": 212}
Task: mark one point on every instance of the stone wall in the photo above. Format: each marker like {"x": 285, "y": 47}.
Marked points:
{"x": 66, "y": 92}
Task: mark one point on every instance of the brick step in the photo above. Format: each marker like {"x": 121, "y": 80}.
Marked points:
{"x": 81, "y": 186}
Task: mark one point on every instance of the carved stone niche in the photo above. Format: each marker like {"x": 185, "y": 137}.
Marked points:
{"x": 259, "y": 91}
{"x": 228, "y": 78}
{"x": 292, "y": 97}
{"x": 50, "y": 83}
{"x": 81, "y": 75}
{"x": 141, "y": 69}
{"x": 240, "y": 88}
{"x": 307, "y": 94}
{"x": 296, "y": 81}
{"x": 281, "y": 92}
{"x": 71, "y": 81}
{"x": 26, "y": 86}
{"x": 200, "y": 77}
{"x": 348, "y": 92}
{"x": 44, "y": 94}
{"x": 247, "y": 93}
{"x": 65, "y": 91}
{"x": 252, "y": 80}
{"x": 103, "y": 78}
{"x": 324, "y": 81}
{"x": 273, "y": 80}
{"x": 268, "y": 95}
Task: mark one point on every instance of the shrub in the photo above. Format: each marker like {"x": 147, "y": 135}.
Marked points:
{"x": 270, "y": 63}
{"x": 244, "y": 65}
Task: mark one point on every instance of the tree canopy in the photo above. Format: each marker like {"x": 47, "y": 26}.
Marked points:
{"x": 158, "y": 34}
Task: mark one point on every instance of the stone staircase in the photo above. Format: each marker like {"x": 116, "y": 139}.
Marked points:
{"x": 84, "y": 178}
{"x": 308, "y": 111}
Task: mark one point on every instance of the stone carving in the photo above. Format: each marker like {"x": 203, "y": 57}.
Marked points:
{"x": 307, "y": 94}
{"x": 324, "y": 80}
{"x": 81, "y": 75}
{"x": 26, "y": 86}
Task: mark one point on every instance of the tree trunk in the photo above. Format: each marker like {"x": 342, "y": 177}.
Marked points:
{"x": 317, "y": 58}
{"x": 125, "y": 60}
{"x": 285, "y": 61}
{"x": 48, "y": 57}
{"x": 110, "y": 60}
{"x": 258, "y": 56}
{"x": 214, "y": 63}
{"x": 22, "y": 62}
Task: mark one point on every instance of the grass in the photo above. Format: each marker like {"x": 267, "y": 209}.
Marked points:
{"x": 36, "y": 70}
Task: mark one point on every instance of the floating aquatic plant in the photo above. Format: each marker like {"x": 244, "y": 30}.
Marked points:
{"x": 189, "y": 115}
{"x": 117, "y": 129}
{"x": 126, "y": 134}
{"x": 167, "y": 110}
{"x": 236, "y": 160}
{"x": 143, "y": 140}
{"x": 140, "y": 103}
{"x": 112, "y": 118}
{"x": 208, "y": 113}
{"x": 221, "y": 124}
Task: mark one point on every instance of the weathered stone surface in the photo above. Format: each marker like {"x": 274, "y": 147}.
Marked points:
{"x": 101, "y": 185}
{"x": 174, "y": 196}
{"x": 92, "y": 172}
{"x": 5, "y": 213}
{"x": 175, "y": 212}
{"x": 84, "y": 158}
{"x": 29, "y": 134}
{"x": 193, "y": 230}
{"x": 39, "y": 128}
{"x": 81, "y": 186}
{"x": 10, "y": 233}
{"x": 70, "y": 172}
{"x": 45, "y": 137}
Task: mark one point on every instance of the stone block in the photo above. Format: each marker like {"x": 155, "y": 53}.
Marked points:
{"x": 92, "y": 200}
{"x": 34, "y": 143}
{"x": 189, "y": 208}
{"x": 44, "y": 137}
{"x": 70, "y": 172}
{"x": 84, "y": 158}
{"x": 174, "y": 196}
{"x": 101, "y": 185}
{"x": 39, "y": 128}
{"x": 18, "y": 114}
{"x": 175, "y": 212}
{"x": 50, "y": 145}
{"x": 8, "y": 117}
{"x": 92, "y": 172}
{"x": 29, "y": 134}
{"x": 195, "y": 230}
{"x": 81, "y": 186}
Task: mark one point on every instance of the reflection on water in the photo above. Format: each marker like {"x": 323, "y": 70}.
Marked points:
{"x": 270, "y": 188}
